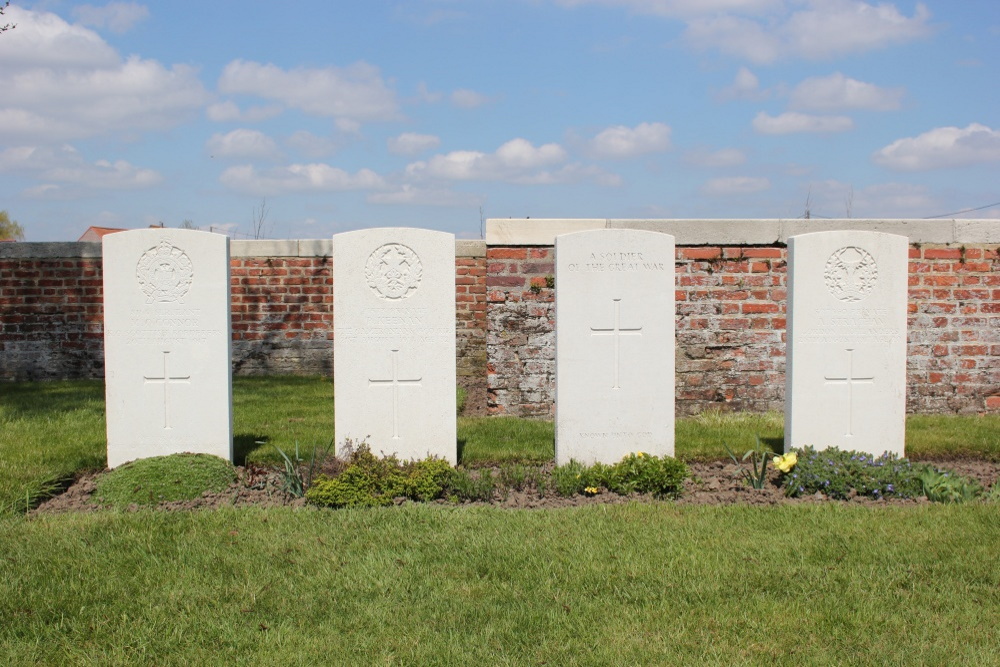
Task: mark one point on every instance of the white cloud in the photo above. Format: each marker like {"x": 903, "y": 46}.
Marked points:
{"x": 356, "y": 93}
{"x": 312, "y": 145}
{"x": 242, "y": 143}
{"x": 304, "y": 178}
{"x": 883, "y": 200}
{"x": 836, "y": 92}
{"x": 411, "y": 143}
{"x": 620, "y": 142}
{"x": 792, "y": 122}
{"x": 63, "y": 82}
{"x": 106, "y": 175}
{"x": 942, "y": 147}
{"x": 426, "y": 95}
{"x": 468, "y": 99}
{"x": 679, "y": 8}
{"x": 517, "y": 161}
{"x": 411, "y": 195}
{"x": 745, "y": 86}
{"x": 513, "y": 161}
{"x": 118, "y": 17}
{"x": 726, "y": 157}
{"x": 228, "y": 112}
{"x": 735, "y": 185}
{"x": 45, "y": 40}
{"x": 64, "y": 173}
{"x": 822, "y": 30}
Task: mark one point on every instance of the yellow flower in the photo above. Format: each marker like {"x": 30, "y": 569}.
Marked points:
{"x": 787, "y": 462}
{"x": 639, "y": 455}
{"x": 592, "y": 490}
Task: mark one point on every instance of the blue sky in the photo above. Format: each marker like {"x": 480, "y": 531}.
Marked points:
{"x": 343, "y": 115}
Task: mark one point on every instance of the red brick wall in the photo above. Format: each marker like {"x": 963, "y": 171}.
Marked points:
{"x": 731, "y": 329}
{"x": 954, "y": 339}
{"x": 51, "y": 318}
{"x": 730, "y": 324}
{"x": 282, "y": 315}
{"x": 520, "y": 340}
{"x": 470, "y": 329}
{"x": 52, "y": 323}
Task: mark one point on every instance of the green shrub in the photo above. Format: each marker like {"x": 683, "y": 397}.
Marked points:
{"x": 835, "y": 473}
{"x": 427, "y": 480}
{"x": 164, "y": 479}
{"x": 366, "y": 481}
{"x": 572, "y": 478}
{"x": 371, "y": 481}
{"x": 662, "y": 476}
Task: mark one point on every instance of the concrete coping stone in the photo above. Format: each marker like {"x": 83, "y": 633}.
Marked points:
{"x": 31, "y": 250}
{"x": 246, "y": 248}
{"x": 542, "y": 231}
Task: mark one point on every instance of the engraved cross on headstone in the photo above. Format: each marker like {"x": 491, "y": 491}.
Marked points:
{"x": 850, "y": 380}
{"x": 617, "y": 331}
{"x": 166, "y": 380}
{"x": 395, "y": 381}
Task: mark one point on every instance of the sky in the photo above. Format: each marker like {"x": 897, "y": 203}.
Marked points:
{"x": 305, "y": 119}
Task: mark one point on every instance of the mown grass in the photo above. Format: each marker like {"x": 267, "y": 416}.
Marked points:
{"x": 163, "y": 479}
{"x": 602, "y": 585}
{"x": 49, "y": 431}
{"x": 931, "y": 437}
{"x": 638, "y": 583}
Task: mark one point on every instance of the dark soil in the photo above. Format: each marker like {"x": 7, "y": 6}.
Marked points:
{"x": 711, "y": 483}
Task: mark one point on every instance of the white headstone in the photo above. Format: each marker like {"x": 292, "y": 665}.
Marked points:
{"x": 394, "y": 342}
{"x": 846, "y": 341}
{"x": 614, "y": 345}
{"x": 167, "y": 344}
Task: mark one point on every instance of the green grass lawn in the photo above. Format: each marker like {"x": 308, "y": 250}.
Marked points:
{"x": 636, "y": 583}
{"x": 631, "y": 584}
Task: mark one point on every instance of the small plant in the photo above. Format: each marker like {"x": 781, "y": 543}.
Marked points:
{"x": 367, "y": 481}
{"x": 662, "y": 476}
{"x": 993, "y": 495}
{"x": 295, "y": 480}
{"x": 572, "y": 478}
{"x": 428, "y": 479}
{"x": 517, "y": 477}
{"x": 536, "y": 284}
{"x": 839, "y": 474}
{"x": 758, "y": 456}
{"x": 944, "y": 487}
{"x": 469, "y": 487}
{"x": 550, "y": 281}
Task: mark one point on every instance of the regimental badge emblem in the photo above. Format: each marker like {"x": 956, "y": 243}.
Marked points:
{"x": 393, "y": 271}
{"x": 851, "y": 273}
{"x": 164, "y": 273}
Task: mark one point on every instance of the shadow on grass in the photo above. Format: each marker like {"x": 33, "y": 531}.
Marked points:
{"x": 461, "y": 449}
{"x": 777, "y": 445}
{"x": 245, "y": 444}
{"x": 36, "y": 398}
